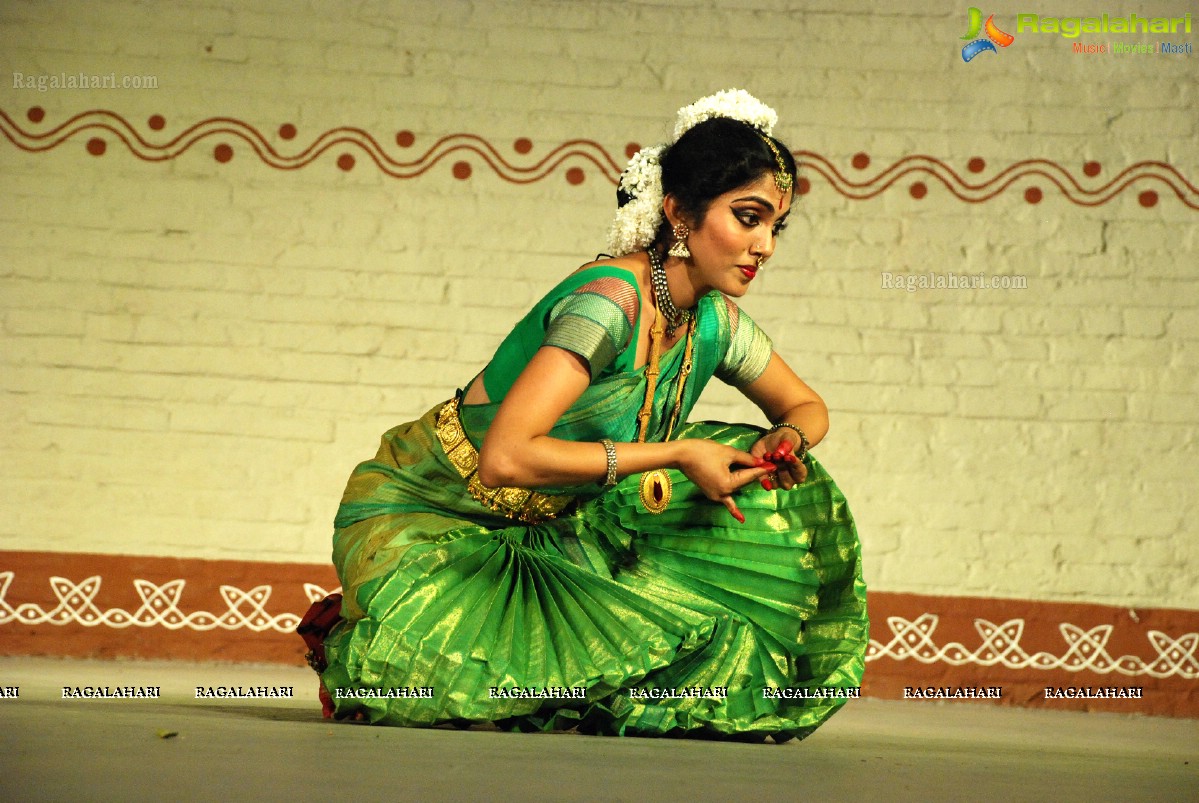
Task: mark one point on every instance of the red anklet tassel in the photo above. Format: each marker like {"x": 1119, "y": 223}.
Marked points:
{"x": 321, "y": 617}
{"x": 316, "y": 624}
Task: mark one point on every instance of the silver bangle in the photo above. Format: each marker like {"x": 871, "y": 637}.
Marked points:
{"x": 802, "y": 451}
{"x": 610, "y": 451}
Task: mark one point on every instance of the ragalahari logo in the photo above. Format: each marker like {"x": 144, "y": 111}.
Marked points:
{"x": 979, "y": 45}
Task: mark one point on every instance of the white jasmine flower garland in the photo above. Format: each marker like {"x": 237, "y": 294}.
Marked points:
{"x": 736, "y": 104}
{"x": 637, "y": 221}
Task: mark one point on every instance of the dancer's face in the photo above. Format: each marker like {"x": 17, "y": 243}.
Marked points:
{"x": 737, "y": 235}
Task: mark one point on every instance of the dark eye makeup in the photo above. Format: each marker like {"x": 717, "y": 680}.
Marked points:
{"x": 750, "y": 218}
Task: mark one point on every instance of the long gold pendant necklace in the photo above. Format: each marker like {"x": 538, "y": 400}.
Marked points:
{"x": 655, "y": 489}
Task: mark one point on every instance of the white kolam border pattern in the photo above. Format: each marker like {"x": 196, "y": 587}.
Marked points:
{"x": 1086, "y": 650}
{"x": 159, "y": 607}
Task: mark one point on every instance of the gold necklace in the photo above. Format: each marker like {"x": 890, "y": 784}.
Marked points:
{"x": 675, "y": 317}
{"x": 656, "y": 487}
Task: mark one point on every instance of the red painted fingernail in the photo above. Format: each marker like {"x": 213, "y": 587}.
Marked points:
{"x": 767, "y": 484}
{"x": 785, "y": 447}
{"x": 737, "y": 515}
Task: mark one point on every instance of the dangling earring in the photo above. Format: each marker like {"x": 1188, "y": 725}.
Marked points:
{"x": 680, "y": 249}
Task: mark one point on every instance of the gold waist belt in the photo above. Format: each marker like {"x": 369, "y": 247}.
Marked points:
{"x": 521, "y": 504}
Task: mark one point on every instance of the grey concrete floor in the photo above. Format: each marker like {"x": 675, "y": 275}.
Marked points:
{"x": 181, "y": 748}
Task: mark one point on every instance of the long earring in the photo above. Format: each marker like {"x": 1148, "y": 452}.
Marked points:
{"x": 680, "y": 249}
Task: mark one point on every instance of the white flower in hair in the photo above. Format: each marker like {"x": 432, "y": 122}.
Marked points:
{"x": 638, "y": 220}
{"x": 736, "y": 104}
{"x": 644, "y": 173}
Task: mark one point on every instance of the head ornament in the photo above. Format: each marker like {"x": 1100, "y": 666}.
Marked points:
{"x": 637, "y": 221}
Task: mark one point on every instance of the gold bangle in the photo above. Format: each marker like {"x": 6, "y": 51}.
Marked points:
{"x": 610, "y": 452}
{"x": 802, "y": 452}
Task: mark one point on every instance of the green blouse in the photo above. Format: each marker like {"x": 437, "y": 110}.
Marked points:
{"x": 594, "y": 313}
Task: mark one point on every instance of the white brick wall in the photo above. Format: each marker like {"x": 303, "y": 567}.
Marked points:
{"x": 193, "y": 355}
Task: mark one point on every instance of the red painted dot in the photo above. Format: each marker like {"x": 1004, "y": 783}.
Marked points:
{"x": 1092, "y": 168}
{"x": 631, "y": 150}
{"x": 287, "y": 131}
{"x": 523, "y": 145}
{"x": 803, "y": 186}
{"x": 918, "y": 190}
{"x": 461, "y": 170}
{"x": 96, "y": 146}
{"x": 36, "y": 114}
{"x": 405, "y": 139}
{"x": 1033, "y": 195}
{"x": 222, "y": 153}
{"x": 157, "y": 122}
{"x": 976, "y": 165}
{"x": 345, "y": 161}
{"x": 575, "y": 175}
{"x": 1148, "y": 198}
{"x": 861, "y": 161}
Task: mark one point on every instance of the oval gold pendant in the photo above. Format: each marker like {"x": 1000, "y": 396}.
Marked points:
{"x": 655, "y": 490}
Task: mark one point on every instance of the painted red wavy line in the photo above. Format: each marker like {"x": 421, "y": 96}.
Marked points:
{"x": 807, "y": 158}
{"x": 1033, "y": 172}
{"x": 1149, "y": 171}
{"x": 1097, "y": 198}
{"x": 110, "y": 123}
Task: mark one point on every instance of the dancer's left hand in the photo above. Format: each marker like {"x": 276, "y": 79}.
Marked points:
{"x": 776, "y": 450}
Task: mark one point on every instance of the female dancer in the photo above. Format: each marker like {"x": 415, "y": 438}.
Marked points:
{"x": 556, "y": 548}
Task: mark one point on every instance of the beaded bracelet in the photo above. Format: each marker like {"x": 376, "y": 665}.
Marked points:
{"x": 802, "y": 451}
{"x": 610, "y": 451}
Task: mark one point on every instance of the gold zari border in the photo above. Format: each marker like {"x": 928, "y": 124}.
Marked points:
{"x": 522, "y": 504}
